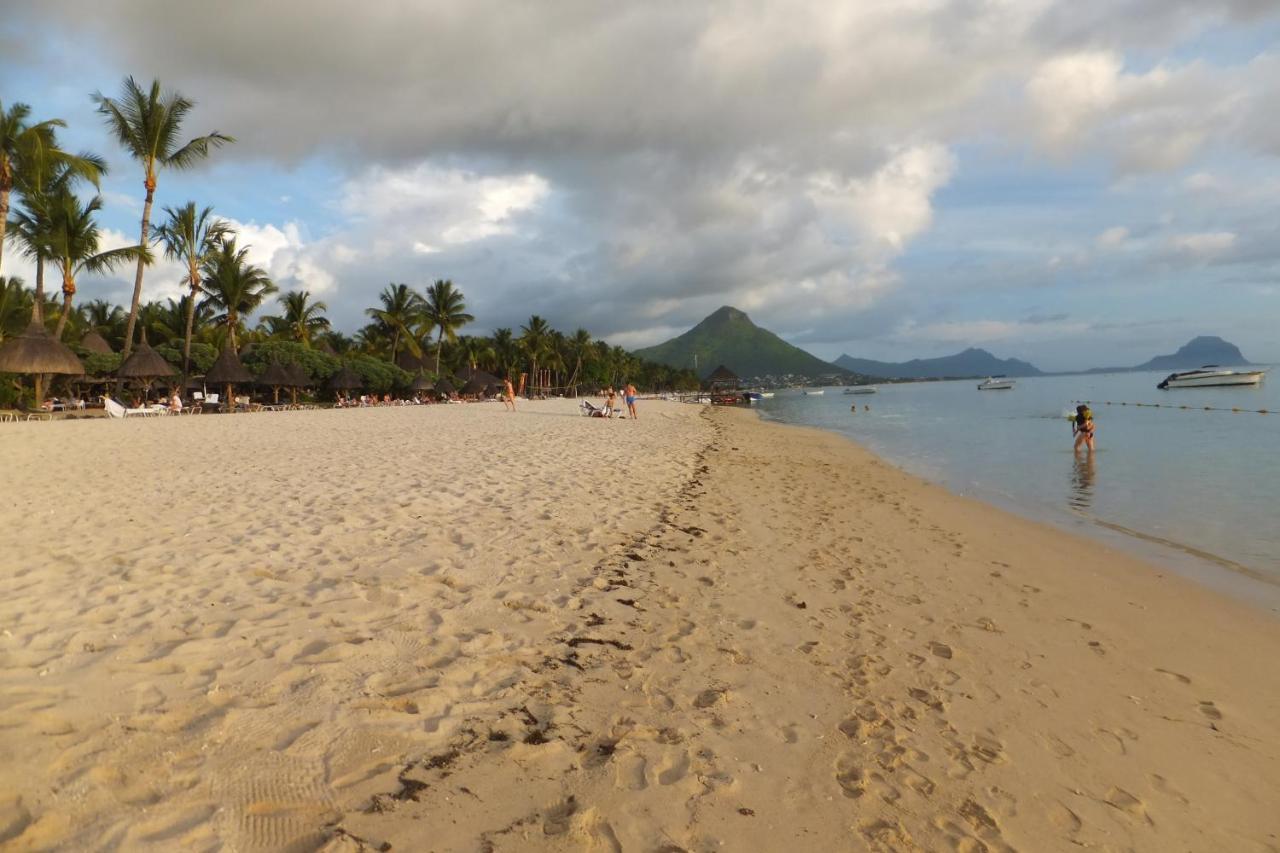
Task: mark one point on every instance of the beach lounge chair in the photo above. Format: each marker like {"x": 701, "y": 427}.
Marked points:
{"x": 590, "y": 411}
{"x": 115, "y": 410}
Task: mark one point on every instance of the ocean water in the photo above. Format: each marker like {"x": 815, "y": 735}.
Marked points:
{"x": 1193, "y": 484}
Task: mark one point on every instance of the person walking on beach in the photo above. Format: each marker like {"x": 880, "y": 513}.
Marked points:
{"x": 1082, "y": 428}
{"x": 630, "y": 396}
{"x": 609, "y": 401}
{"x": 508, "y": 394}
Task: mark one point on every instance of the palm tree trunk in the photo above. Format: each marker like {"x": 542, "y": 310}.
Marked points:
{"x": 186, "y": 340}
{"x": 137, "y": 279}
{"x": 68, "y": 293}
{"x": 38, "y": 308}
{"x": 4, "y": 218}
{"x": 439, "y": 346}
{"x": 231, "y": 328}
{"x": 395, "y": 344}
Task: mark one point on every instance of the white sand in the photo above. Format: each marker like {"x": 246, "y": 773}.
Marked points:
{"x": 455, "y": 629}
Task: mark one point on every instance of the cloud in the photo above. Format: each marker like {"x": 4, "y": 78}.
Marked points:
{"x": 1114, "y": 237}
{"x": 1204, "y": 246}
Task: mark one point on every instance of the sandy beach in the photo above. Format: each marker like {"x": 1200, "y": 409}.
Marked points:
{"x": 450, "y": 628}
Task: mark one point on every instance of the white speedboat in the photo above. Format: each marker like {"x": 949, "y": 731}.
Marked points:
{"x": 990, "y": 384}
{"x": 861, "y": 389}
{"x": 766, "y": 395}
{"x": 814, "y": 392}
{"x": 1211, "y": 376}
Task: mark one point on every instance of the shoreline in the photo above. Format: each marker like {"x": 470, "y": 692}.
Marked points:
{"x": 696, "y": 631}
{"x": 1211, "y": 570}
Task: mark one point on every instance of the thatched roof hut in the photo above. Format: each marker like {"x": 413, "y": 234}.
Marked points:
{"x": 96, "y": 343}
{"x": 298, "y": 376}
{"x": 444, "y": 387}
{"x": 275, "y": 376}
{"x": 722, "y": 374}
{"x": 145, "y": 363}
{"x": 409, "y": 362}
{"x": 37, "y": 351}
{"x": 227, "y": 370}
{"x": 345, "y": 379}
{"x": 471, "y": 374}
{"x": 422, "y": 382}
{"x": 472, "y": 389}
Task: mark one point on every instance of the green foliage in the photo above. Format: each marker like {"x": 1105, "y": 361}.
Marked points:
{"x": 318, "y": 365}
{"x": 380, "y": 376}
{"x": 202, "y": 356}
{"x": 101, "y": 363}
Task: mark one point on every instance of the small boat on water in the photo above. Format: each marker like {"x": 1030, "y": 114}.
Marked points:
{"x": 1211, "y": 376}
{"x": 813, "y": 392}
{"x": 995, "y": 384}
{"x": 861, "y": 389}
{"x": 752, "y": 396}
{"x": 766, "y": 395}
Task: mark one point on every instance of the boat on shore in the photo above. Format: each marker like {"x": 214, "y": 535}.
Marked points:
{"x": 861, "y": 389}
{"x": 813, "y": 392}
{"x": 1211, "y": 376}
{"x": 995, "y": 384}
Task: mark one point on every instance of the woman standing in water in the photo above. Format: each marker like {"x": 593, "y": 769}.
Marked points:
{"x": 1082, "y": 428}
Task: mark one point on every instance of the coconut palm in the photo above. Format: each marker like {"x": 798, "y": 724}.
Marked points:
{"x": 190, "y": 237}
{"x": 233, "y": 286}
{"x": 71, "y": 240}
{"x": 401, "y": 310}
{"x": 31, "y": 151}
{"x": 445, "y": 310}
{"x": 506, "y": 352}
{"x": 579, "y": 348}
{"x": 535, "y": 339}
{"x": 42, "y": 174}
{"x": 302, "y": 318}
{"x": 147, "y": 125}
{"x": 105, "y": 318}
{"x": 475, "y": 351}
{"x": 15, "y": 307}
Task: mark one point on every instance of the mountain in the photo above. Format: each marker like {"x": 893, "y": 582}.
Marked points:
{"x": 1206, "y": 349}
{"x": 729, "y": 337}
{"x": 971, "y": 362}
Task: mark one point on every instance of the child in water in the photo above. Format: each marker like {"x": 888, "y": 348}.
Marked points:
{"x": 1082, "y": 427}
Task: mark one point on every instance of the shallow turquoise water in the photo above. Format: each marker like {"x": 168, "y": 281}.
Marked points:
{"x": 1208, "y": 481}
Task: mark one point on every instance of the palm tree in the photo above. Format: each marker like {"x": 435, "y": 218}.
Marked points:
{"x": 42, "y": 172}
{"x": 302, "y": 318}
{"x": 475, "y": 350}
{"x": 401, "y": 310}
{"x": 15, "y": 307}
{"x": 27, "y": 148}
{"x": 165, "y": 321}
{"x": 445, "y": 310}
{"x": 233, "y": 286}
{"x": 105, "y": 318}
{"x": 505, "y": 350}
{"x": 72, "y": 242}
{"x": 190, "y": 237}
{"x": 581, "y": 351}
{"x": 147, "y": 126}
{"x": 535, "y": 338}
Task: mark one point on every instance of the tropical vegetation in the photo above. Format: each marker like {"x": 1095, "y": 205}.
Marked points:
{"x": 231, "y": 301}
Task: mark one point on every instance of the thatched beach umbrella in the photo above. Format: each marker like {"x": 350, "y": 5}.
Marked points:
{"x": 473, "y": 374}
{"x": 96, "y": 343}
{"x": 472, "y": 389}
{"x": 145, "y": 365}
{"x": 38, "y": 352}
{"x": 228, "y": 371}
{"x": 409, "y": 362}
{"x": 345, "y": 379}
{"x": 422, "y": 382}
{"x": 275, "y": 377}
{"x": 444, "y": 387}
{"x": 298, "y": 378}
{"x": 492, "y": 391}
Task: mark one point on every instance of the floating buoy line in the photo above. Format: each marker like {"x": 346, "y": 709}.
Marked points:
{"x": 1183, "y": 406}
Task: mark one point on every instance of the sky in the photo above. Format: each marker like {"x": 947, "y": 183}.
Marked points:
{"x": 1079, "y": 184}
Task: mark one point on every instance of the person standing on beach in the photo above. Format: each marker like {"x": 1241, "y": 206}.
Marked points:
{"x": 608, "y": 402}
{"x": 508, "y": 394}
{"x": 630, "y": 396}
{"x": 1082, "y": 428}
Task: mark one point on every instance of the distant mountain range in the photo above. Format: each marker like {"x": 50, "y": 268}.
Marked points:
{"x": 971, "y": 362}
{"x": 729, "y": 337}
{"x": 1206, "y": 349}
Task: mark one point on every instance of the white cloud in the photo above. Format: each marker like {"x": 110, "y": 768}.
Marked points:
{"x": 1114, "y": 237}
{"x": 1204, "y": 246}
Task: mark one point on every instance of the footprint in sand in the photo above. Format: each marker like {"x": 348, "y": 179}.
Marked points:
{"x": 1176, "y": 676}
{"x": 941, "y": 650}
{"x": 1210, "y": 710}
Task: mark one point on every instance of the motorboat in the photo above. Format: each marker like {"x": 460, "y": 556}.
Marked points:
{"x": 861, "y": 389}
{"x": 814, "y": 392}
{"x": 766, "y": 395}
{"x": 1211, "y": 376}
{"x": 752, "y": 396}
{"x": 995, "y": 384}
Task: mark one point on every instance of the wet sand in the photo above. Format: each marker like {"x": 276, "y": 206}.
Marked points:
{"x": 449, "y": 628}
